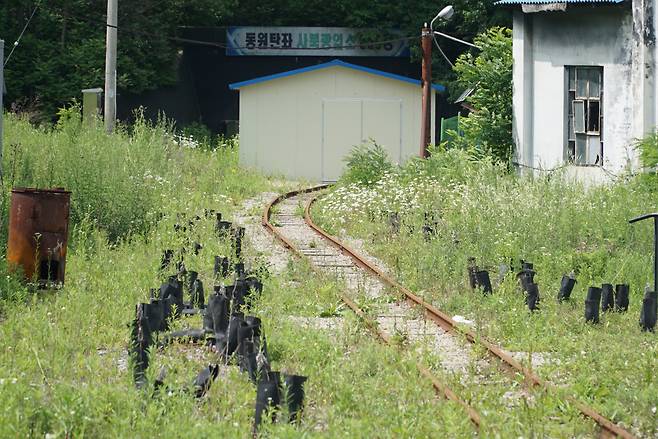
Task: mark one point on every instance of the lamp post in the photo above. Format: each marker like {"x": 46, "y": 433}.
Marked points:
{"x": 426, "y": 36}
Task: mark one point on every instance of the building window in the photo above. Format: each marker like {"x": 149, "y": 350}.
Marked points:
{"x": 585, "y": 115}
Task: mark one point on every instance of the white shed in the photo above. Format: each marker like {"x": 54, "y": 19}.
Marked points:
{"x": 302, "y": 123}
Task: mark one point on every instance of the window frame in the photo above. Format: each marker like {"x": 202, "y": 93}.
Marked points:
{"x": 579, "y": 137}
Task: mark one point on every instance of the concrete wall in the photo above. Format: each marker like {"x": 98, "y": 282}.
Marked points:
{"x": 606, "y": 36}
{"x": 283, "y": 122}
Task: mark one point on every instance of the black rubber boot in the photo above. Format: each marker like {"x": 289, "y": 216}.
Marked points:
{"x": 607, "y": 298}
{"x": 239, "y": 270}
{"x": 268, "y": 397}
{"x": 205, "y": 378}
{"x": 173, "y": 289}
{"x": 140, "y": 342}
{"x": 566, "y": 288}
{"x": 238, "y": 236}
{"x": 594, "y": 293}
{"x": 216, "y": 316}
{"x": 156, "y": 316}
{"x": 532, "y": 297}
{"x": 232, "y": 341}
{"x": 222, "y": 228}
{"x": 191, "y": 277}
{"x": 245, "y": 335}
{"x": 526, "y": 277}
{"x": 167, "y": 256}
{"x": 293, "y": 390}
{"x": 247, "y": 360}
{"x": 592, "y": 304}
{"x": 195, "y": 288}
{"x": 222, "y": 266}
{"x": 526, "y": 265}
{"x": 238, "y": 294}
{"x": 483, "y": 281}
{"x": 254, "y": 285}
{"x": 648, "y": 311}
{"x": 621, "y": 297}
{"x": 472, "y": 269}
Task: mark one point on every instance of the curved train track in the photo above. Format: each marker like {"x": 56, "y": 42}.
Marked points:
{"x": 345, "y": 258}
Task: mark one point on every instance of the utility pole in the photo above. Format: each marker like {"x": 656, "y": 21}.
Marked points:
{"x": 426, "y": 113}
{"x": 110, "y": 113}
{"x": 2, "y": 92}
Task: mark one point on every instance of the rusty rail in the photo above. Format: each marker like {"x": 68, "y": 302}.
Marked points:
{"x": 438, "y": 386}
{"x": 609, "y": 428}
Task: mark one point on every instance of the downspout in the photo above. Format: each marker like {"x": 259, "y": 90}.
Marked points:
{"x": 530, "y": 90}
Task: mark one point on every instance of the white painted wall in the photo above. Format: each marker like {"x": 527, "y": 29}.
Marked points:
{"x": 282, "y": 121}
{"x": 544, "y": 43}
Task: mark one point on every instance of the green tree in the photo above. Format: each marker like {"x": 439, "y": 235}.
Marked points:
{"x": 488, "y": 129}
{"x": 63, "y": 49}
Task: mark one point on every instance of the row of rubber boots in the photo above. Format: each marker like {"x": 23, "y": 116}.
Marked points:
{"x": 604, "y": 299}
{"x": 154, "y": 317}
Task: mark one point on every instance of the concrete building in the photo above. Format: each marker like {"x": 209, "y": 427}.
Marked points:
{"x": 584, "y": 83}
{"x": 302, "y": 123}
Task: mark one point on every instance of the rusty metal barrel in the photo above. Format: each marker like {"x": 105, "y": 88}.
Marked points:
{"x": 38, "y": 233}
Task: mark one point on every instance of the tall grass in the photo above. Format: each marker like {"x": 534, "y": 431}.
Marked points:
{"x": 63, "y": 354}
{"x": 475, "y": 208}
{"x": 121, "y": 182}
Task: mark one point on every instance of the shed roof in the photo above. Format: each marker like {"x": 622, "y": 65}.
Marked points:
{"x": 542, "y": 2}
{"x": 334, "y": 63}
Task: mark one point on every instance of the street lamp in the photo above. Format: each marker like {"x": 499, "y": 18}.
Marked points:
{"x": 445, "y": 14}
{"x": 427, "y": 35}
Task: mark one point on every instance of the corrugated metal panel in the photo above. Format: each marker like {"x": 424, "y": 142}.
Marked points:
{"x": 540, "y": 2}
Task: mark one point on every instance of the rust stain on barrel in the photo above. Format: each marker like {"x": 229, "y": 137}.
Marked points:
{"x": 38, "y": 232}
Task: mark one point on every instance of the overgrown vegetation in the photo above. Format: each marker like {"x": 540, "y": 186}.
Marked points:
{"x": 648, "y": 148}
{"x": 366, "y": 164}
{"x": 488, "y": 129}
{"x": 457, "y": 205}
{"x": 64, "y": 368}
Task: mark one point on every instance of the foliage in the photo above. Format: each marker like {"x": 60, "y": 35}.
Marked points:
{"x": 63, "y": 49}
{"x": 454, "y": 206}
{"x": 488, "y": 130}
{"x": 366, "y": 164}
{"x": 648, "y": 148}
{"x": 63, "y": 354}
{"x": 121, "y": 183}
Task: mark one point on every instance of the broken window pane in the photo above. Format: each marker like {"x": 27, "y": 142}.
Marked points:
{"x": 572, "y": 78}
{"x": 572, "y": 133}
{"x": 579, "y": 116}
{"x": 581, "y": 149}
{"x": 593, "y": 117}
{"x": 593, "y": 150}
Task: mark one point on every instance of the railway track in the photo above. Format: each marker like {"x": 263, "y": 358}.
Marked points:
{"x": 283, "y": 218}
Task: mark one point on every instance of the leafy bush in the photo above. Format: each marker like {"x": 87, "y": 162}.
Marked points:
{"x": 366, "y": 164}
{"x": 648, "y": 148}
{"x": 488, "y": 130}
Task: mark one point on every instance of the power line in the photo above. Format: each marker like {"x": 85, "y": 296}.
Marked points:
{"x": 18, "y": 40}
